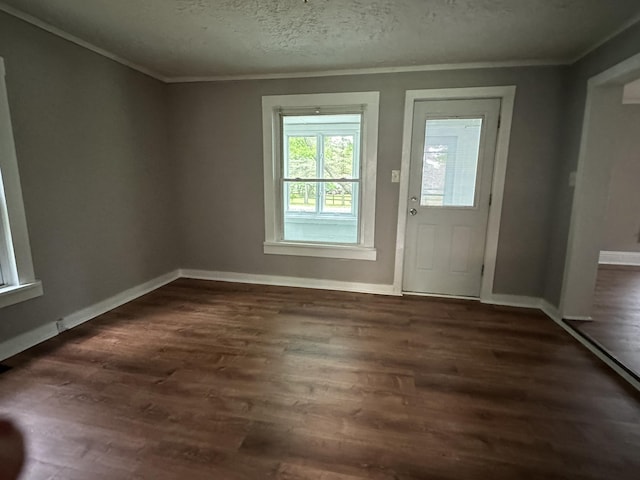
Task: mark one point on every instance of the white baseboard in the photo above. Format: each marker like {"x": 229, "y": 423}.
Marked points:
{"x": 520, "y": 301}
{"x": 22, "y": 342}
{"x": 504, "y": 300}
{"x": 550, "y": 310}
{"x": 542, "y": 304}
{"x": 33, "y": 337}
{"x": 620, "y": 258}
{"x": 283, "y": 281}
{"x": 439, "y": 295}
{"x": 578, "y": 318}
{"x": 545, "y": 306}
{"x": 81, "y": 316}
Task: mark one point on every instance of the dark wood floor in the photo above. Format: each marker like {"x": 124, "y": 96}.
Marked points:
{"x": 205, "y": 380}
{"x": 616, "y": 317}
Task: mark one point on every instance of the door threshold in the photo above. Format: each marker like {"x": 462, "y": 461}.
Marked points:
{"x": 441, "y": 295}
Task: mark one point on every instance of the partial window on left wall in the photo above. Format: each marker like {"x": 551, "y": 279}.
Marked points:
{"x": 17, "y": 278}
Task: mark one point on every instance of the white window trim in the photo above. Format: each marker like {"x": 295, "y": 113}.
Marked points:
{"x": 15, "y": 250}
{"x": 271, "y": 106}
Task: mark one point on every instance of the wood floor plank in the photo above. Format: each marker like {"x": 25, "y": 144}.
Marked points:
{"x": 616, "y": 314}
{"x": 206, "y": 380}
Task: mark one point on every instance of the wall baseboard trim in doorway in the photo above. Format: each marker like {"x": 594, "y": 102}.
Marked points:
{"x": 518, "y": 301}
{"x": 620, "y": 258}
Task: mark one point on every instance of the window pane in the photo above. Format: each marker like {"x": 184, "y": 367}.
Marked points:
{"x": 339, "y": 197}
{"x": 301, "y": 158}
{"x": 300, "y": 196}
{"x": 336, "y": 219}
{"x": 339, "y": 157}
{"x": 450, "y": 162}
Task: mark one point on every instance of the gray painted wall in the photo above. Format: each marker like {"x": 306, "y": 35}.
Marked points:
{"x": 611, "y": 53}
{"x": 91, "y": 139}
{"x": 217, "y": 140}
{"x": 622, "y": 226}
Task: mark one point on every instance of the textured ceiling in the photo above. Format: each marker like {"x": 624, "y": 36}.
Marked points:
{"x": 188, "y": 38}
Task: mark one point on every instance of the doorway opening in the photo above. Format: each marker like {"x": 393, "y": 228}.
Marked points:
{"x": 601, "y": 283}
{"x": 604, "y": 92}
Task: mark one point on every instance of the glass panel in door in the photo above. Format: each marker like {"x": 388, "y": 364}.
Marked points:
{"x": 450, "y": 162}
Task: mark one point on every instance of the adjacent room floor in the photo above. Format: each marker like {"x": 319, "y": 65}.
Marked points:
{"x": 616, "y": 317}
{"x": 207, "y": 380}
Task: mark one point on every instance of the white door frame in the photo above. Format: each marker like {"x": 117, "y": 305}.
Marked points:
{"x": 507, "y": 95}
{"x": 575, "y": 298}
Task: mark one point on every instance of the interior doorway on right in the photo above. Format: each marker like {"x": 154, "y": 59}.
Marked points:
{"x": 615, "y": 324}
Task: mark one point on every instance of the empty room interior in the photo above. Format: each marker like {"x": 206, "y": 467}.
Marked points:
{"x": 312, "y": 239}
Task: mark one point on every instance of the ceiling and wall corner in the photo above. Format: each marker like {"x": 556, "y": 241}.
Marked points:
{"x": 204, "y": 40}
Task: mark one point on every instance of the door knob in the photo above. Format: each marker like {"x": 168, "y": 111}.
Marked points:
{"x": 413, "y": 211}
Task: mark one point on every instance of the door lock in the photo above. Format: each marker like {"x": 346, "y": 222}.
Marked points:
{"x": 413, "y": 211}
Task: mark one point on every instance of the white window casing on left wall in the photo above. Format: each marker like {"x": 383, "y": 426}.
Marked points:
{"x": 17, "y": 278}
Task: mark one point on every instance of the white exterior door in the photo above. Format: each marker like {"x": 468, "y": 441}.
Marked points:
{"x": 452, "y": 153}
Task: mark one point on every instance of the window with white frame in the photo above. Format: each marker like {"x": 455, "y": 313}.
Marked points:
{"x": 17, "y": 280}
{"x": 320, "y": 155}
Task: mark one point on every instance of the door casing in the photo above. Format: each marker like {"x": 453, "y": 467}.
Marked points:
{"x": 452, "y": 271}
{"x": 507, "y": 96}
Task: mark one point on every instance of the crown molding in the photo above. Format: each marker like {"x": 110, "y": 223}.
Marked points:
{"x": 371, "y": 71}
{"x": 78, "y": 41}
{"x": 625, "y": 26}
{"x": 270, "y": 76}
{"x": 308, "y": 74}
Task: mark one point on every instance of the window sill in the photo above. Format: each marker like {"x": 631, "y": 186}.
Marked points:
{"x": 325, "y": 251}
{"x": 19, "y": 293}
